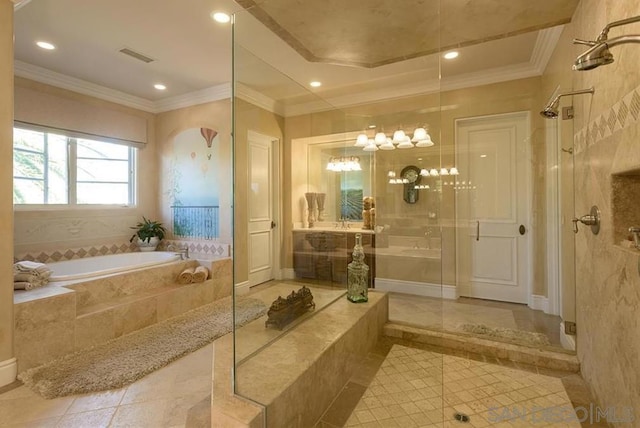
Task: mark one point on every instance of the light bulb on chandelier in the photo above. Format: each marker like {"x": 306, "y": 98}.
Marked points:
{"x": 400, "y": 140}
{"x": 344, "y": 164}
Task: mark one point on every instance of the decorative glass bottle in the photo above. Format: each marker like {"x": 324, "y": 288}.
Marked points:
{"x": 357, "y": 274}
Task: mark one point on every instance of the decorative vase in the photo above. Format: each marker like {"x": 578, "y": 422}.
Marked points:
{"x": 311, "y": 206}
{"x": 320, "y": 197}
{"x": 358, "y": 274}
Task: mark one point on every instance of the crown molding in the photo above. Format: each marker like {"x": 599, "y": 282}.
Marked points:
{"x": 544, "y": 47}
{"x": 485, "y": 77}
{"x": 43, "y": 75}
{"x": 540, "y": 56}
{"x": 258, "y": 99}
{"x": 207, "y": 95}
{"x": 542, "y": 51}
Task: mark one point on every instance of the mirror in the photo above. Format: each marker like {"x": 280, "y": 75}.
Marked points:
{"x": 344, "y": 190}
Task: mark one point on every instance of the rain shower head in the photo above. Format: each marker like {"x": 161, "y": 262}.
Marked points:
{"x": 550, "y": 111}
{"x": 594, "y": 57}
{"x": 598, "y": 54}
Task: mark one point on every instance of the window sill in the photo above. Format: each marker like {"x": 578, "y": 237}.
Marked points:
{"x": 52, "y": 207}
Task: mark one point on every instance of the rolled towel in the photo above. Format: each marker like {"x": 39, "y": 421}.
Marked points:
{"x": 35, "y": 280}
{"x": 186, "y": 276}
{"x": 22, "y": 285}
{"x": 201, "y": 274}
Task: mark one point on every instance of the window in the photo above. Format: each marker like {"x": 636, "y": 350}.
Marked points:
{"x": 50, "y": 167}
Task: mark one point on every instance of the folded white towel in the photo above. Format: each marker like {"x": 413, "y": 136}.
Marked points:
{"x": 33, "y": 268}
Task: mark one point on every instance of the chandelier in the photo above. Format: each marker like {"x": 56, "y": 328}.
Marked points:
{"x": 344, "y": 164}
{"x": 400, "y": 140}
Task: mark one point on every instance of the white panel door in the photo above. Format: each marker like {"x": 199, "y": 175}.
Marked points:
{"x": 260, "y": 209}
{"x": 492, "y": 207}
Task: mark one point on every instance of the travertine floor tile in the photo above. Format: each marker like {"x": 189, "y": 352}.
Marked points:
{"x": 489, "y": 394}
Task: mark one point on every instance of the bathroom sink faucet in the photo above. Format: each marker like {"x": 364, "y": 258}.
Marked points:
{"x": 343, "y": 223}
{"x": 182, "y": 250}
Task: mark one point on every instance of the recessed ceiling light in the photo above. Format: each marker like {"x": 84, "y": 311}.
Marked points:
{"x": 315, "y": 84}
{"x": 451, "y": 55}
{"x": 372, "y": 126}
{"x": 221, "y": 17}
{"x": 483, "y": 156}
{"x": 45, "y": 45}
{"x": 160, "y": 86}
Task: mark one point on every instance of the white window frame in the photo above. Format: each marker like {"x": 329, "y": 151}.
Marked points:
{"x": 72, "y": 137}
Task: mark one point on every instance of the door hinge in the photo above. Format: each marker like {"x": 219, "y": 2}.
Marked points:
{"x": 570, "y": 328}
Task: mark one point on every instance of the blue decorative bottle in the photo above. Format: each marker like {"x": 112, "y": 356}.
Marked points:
{"x": 357, "y": 274}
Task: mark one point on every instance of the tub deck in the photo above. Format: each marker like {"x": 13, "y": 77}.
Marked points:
{"x": 64, "y": 317}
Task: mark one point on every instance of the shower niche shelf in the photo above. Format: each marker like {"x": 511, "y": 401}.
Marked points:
{"x": 625, "y": 198}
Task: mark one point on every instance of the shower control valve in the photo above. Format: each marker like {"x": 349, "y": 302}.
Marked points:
{"x": 592, "y": 219}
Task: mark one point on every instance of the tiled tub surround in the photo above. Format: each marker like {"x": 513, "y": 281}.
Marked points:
{"x": 197, "y": 249}
{"x": 64, "y": 317}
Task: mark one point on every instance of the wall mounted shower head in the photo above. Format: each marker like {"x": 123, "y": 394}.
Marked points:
{"x": 595, "y": 56}
{"x": 598, "y": 54}
{"x": 550, "y": 111}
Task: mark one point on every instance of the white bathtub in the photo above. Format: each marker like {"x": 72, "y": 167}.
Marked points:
{"x": 90, "y": 267}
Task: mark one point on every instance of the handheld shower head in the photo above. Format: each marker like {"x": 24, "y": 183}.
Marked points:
{"x": 550, "y": 111}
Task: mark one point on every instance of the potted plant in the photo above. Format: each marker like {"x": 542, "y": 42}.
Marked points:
{"x": 148, "y": 234}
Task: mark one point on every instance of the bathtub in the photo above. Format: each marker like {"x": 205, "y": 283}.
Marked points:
{"x": 90, "y": 267}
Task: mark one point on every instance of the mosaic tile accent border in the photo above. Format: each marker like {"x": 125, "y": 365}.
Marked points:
{"x": 195, "y": 247}
{"x": 624, "y": 113}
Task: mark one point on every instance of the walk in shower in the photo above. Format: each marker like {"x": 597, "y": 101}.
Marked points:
{"x": 462, "y": 192}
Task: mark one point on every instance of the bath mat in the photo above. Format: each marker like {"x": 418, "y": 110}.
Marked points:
{"x": 124, "y": 360}
{"x": 518, "y": 336}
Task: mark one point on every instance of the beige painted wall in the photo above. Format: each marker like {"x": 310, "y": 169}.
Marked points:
{"x": 55, "y": 228}
{"x": 252, "y": 118}
{"x": 6, "y": 181}
{"x": 440, "y": 112}
{"x": 608, "y": 282}
{"x": 215, "y": 115}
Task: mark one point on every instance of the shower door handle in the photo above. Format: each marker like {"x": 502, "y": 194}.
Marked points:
{"x": 477, "y": 230}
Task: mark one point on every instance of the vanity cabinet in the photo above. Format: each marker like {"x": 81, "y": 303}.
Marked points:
{"x": 324, "y": 255}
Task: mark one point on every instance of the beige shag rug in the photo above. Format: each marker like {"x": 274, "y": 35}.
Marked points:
{"x": 518, "y": 336}
{"x": 124, "y": 360}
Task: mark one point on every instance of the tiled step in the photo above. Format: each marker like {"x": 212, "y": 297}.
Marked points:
{"x": 548, "y": 358}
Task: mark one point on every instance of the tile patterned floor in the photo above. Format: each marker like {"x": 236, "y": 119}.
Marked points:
{"x": 161, "y": 399}
{"x": 419, "y": 388}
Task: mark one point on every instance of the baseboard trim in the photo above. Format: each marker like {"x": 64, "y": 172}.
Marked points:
{"x": 242, "y": 288}
{"x": 444, "y": 291}
{"x": 566, "y": 340}
{"x": 8, "y": 371}
{"x": 539, "y": 303}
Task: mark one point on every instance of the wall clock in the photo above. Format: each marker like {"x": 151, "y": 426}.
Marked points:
{"x": 412, "y": 175}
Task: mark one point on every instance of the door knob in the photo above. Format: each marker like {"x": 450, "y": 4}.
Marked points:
{"x": 522, "y": 229}
{"x": 592, "y": 219}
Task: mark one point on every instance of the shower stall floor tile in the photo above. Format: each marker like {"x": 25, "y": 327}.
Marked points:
{"x": 421, "y": 388}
